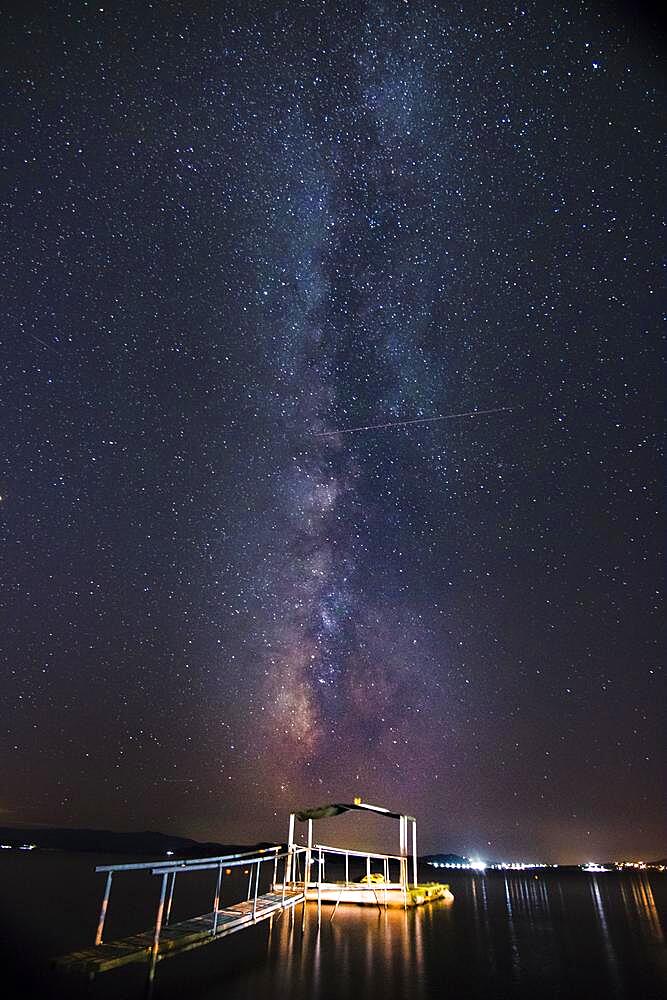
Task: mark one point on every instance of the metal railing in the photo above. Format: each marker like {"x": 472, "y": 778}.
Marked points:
{"x": 368, "y": 856}
{"x": 168, "y": 870}
{"x": 366, "y": 884}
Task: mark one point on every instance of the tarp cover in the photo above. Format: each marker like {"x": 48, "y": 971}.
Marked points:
{"x": 322, "y": 812}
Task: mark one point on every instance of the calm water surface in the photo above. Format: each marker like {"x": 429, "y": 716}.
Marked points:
{"x": 515, "y": 936}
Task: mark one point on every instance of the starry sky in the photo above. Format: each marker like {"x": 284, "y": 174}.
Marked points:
{"x": 232, "y": 232}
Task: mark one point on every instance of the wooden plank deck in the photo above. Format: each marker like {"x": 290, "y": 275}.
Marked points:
{"x": 177, "y": 938}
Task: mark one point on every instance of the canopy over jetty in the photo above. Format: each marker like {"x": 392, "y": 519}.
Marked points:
{"x": 336, "y": 808}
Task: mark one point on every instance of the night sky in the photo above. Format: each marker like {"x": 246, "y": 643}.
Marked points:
{"x": 232, "y": 228}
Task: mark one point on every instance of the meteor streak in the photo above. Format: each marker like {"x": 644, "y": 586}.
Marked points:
{"x": 418, "y": 420}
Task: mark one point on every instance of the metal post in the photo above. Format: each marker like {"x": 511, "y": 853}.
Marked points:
{"x": 404, "y": 881}
{"x": 158, "y": 928}
{"x": 368, "y": 868}
{"x": 103, "y": 911}
{"x": 284, "y": 878}
{"x": 414, "y": 852}
{"x": 275, "y": 871}
{"x": 290, "y": 843}
{"x": 254, "y": 905}
{"x": 216, "y": 899}
{"x": 404, "y": 851}
{"x": 347, "y": 867}
{"x": 303, "y": 911}
{"x": 309, "y": 852}
{"x": 319, "y": 891}
{"x": 171, "y": 897}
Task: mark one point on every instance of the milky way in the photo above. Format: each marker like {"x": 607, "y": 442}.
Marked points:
{"x": 230, "y": 239}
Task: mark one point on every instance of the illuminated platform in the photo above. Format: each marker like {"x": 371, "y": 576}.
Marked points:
{"x": 379, "y": 894}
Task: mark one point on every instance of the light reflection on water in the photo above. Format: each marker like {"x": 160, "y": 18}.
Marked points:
{"x": 642, "y": 895}
{"x": 516, "y": 963}
{"x": 504, "y": 937}
{"x": 359, "y": 946}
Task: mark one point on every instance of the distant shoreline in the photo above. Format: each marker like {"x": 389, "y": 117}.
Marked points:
{"x": 153, "y": 843}
{"x": 112, "y": 842}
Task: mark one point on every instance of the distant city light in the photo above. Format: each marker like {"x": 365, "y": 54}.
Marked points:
{"x": 475, "y": 864}
{"x": 519, "y": 866}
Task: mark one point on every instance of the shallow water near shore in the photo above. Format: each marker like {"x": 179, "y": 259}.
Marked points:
{"x": 551, "y": 935}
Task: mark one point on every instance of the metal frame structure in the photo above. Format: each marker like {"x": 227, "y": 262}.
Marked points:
{"x": 405, "y": 824}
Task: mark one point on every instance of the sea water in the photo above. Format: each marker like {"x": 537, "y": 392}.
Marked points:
{"x": 505, "y": 936}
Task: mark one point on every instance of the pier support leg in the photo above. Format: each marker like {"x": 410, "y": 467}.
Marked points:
{"x": 284, "y": 882}
{"x": 254, "y": 905}
{"x": 103, "y": 911}
{"x": 216, "y": 900}
{"x": 171, "y": 898}
{"x": 158, "y": 928}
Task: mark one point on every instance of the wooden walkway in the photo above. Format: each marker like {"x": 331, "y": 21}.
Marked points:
{"x": 178, "y": 938}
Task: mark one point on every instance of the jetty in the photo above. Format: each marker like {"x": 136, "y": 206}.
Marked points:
{"x": 279, "y": 879}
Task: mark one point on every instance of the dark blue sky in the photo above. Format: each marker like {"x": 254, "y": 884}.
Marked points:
{"x": 230, "y": 228}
